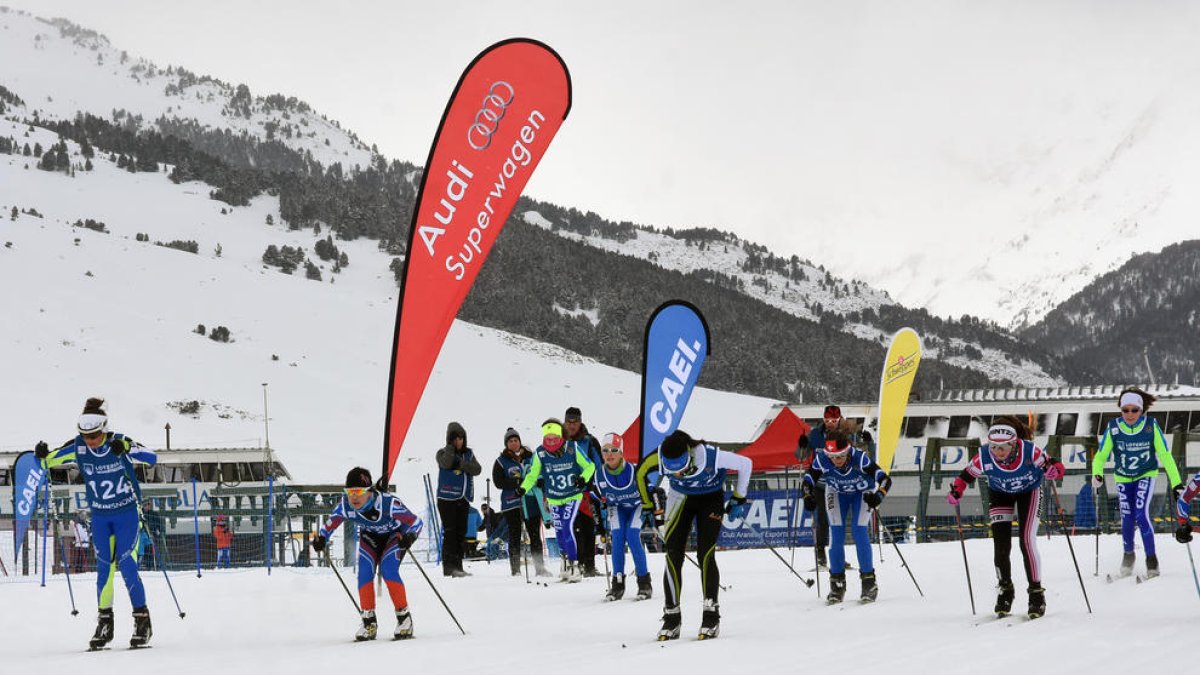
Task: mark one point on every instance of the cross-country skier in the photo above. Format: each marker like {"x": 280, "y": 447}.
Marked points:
{"x": 1014, "y": 468}
{"x": 854, "y": 486}
{"x": 695, "y": 470}
{"x": 105, "y": 460}
{"x": 519, "y": 510}
{"x": 386, "y": 530}
{"x": 617, "y": 485}
{"x": 1135, "y": 440}
{"x": 566, "y": 474}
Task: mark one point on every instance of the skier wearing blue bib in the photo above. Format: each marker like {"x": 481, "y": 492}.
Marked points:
{"x": 1137, "y": 445}
{"x": 695, "y": 471}
{"x": 1014, "y": 468}
{"x": 386, "y": 530}
{"x": 617, "y": 483}
{"x": 566, "y": 474}
{"x": 854, "y": 486}
{"x": 105, "y": 460}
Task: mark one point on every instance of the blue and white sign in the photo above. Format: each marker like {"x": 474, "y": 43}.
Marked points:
{"x": 28, "y": 475}
{"x": 675, "y": 349}
{"x": 770, "y": 521}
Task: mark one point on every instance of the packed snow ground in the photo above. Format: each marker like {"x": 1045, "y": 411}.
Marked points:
{"x": 300, "y": 620}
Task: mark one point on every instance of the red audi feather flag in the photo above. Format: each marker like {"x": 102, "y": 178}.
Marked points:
{"x": 503, "y": 114}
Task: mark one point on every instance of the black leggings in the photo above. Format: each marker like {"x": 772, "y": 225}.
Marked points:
{"x": 706, "y": 511}
{"x": 454, "y": 532}
{"x": 532, "y": 525}
{"x": 1026, "y": 506}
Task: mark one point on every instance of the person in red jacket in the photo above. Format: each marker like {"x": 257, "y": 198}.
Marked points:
{"x": 224, "y": 539}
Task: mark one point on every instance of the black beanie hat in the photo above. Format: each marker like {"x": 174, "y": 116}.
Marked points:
{"x": 573, "y": 415}
{"x": 358, "y": 477}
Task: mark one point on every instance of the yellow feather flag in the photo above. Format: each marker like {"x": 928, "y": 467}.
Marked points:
{"x": 899, "y": 370}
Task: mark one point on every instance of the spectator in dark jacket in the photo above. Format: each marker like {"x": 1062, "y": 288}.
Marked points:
{"x": 457, "y": 468}
{"x": 507, "y": 473}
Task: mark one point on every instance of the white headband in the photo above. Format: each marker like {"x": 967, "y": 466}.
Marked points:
{"x": 1131, "y": 398}
{"x": 91, "y": 423}
{"x": 1002, "y": 433}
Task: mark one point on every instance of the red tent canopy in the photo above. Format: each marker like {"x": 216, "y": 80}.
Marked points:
{"x": 775, "y": 448}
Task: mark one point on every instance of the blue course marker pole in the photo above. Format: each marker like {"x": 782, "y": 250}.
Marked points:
{"x": 45, "y": 528}
{"x": 270, "y": 510}
{"x": 196, "y": 522}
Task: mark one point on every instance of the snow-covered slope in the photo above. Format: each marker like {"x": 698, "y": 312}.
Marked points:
{"x": 60, "y": 69}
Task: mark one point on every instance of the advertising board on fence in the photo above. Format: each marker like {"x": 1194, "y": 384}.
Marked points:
{"x": 770, "y": 521}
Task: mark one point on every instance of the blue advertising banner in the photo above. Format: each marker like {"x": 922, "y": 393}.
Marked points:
{"x": 675, "y": 348}
{"x": 770, "y": 521}
{"x": 28, "y": 475}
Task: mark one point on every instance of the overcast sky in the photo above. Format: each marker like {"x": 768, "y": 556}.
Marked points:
{"x": 795, "y": 124}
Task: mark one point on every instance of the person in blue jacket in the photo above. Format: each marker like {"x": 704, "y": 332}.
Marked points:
{"x": 457, "y": 468}
{"x": 617, "y": 483}
{"x": 1138, "y": 447}
{"x": 106, "y": 463}
{"x": 566, "y": 473}
{"x": 854, "y": 486}
{"x": 386, "y": 530}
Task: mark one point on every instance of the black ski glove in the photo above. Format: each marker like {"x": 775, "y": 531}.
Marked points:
{"x": 580, "y": 482}
{"x": 872, "y": 499}
{"x": 807, "y": 496}
{"x": 119, "y": 446}
{"x": 318, "y": 543}
{"x": 520, "y": 491}
{"x": 1183, "y": 533}
{"x": 407, "y": 540}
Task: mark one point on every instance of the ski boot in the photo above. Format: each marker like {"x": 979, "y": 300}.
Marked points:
{"x": 869, "y": 590}
{"x": 1005, "y": 598}
{"x": 1037, "y": 601}
{"x": 369, "y": 627}
{"x": 564, "y": 570}
{"x": 1127, "y": 564}
{"x": 104, "y": 630}
{"x": 617, "y": 590}
{"x": 1151, "y": 566}
{"x": 645, "y": 590}
{"x": 710, "y": 621}
{"x": 837, "y": 588}
{"x": 574, "y": 573}
{"x": 404, "y": 626}
{"x": 539, "y": 565}
{"x": 670, "y": 627}
{"x": 141, "y": 628}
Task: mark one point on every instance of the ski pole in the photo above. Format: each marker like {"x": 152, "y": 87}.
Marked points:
{"x": 1062, "y": 523}
{"x": 1193, "y": 561}
{"x": 903, "y": 562}
{"x": 807, "y": 582}
{"x": 154, "y": 553}
{"x": 67, "y": 570}
{"x": 1096, "y": 504}
{"x": 338, "y": 574}
{"x": 963, "y": 543}
{"x": 435, "y": 592}
{"x": 816, "y": 561}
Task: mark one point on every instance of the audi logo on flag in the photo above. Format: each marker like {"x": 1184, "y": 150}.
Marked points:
{"x": 500, "y": 95}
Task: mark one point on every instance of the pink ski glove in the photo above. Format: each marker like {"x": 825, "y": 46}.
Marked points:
{"x": 956, "y": 491}
{"x": 1055, "y": 470}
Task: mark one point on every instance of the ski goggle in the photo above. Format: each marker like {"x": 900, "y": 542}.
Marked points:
{"x": 356, "y": 491}
{"x": 611, "y": 450}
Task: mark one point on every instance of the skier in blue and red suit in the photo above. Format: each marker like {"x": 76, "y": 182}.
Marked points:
{"x": 386, "y": 530}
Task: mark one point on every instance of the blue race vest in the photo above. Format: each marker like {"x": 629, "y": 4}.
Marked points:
{"x": 456, "y": 484}
{"x": 1020, "y": 479}
{"x": 619, "y": 489}
{"x": 1133, "y": 453}
{"x": 558, "y": 472}
{"x": 701, "y": 482}
{"x": 850, "y": 478}
{"x": 513, "y": 469}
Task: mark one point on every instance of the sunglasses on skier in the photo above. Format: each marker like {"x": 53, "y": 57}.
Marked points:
{"x": 1131, "y": 410}
{"x": 356, "y": 491}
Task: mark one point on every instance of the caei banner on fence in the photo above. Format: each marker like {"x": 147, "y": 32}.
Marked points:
{"x": 676, "y": 344}
{"x": 770, "y": 521}
{"x": 508, "y": 105}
